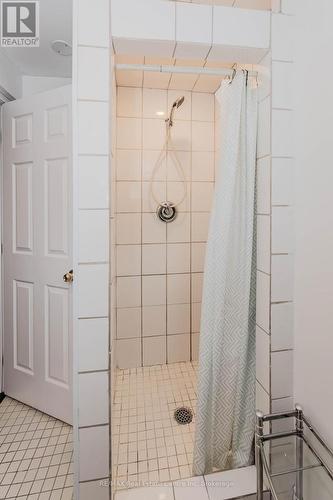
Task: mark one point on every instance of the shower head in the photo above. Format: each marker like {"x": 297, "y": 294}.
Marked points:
{"x": 175, "y": 105}
{"x": 178, "y": 102}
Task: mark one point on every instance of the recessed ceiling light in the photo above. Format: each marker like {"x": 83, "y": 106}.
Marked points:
{"x": 160, "y": 113}
{"x": 61, "y": 47}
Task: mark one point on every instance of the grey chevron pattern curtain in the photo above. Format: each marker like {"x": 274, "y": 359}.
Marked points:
{"x": 226, "y": 391}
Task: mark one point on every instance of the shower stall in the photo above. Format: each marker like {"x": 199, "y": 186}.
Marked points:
{"x": 167, "y": 161}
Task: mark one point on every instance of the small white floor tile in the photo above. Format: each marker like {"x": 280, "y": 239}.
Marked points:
{"x": 149, "y": 493}
{"x": 231, "y": 484}
{"x": 191, "y": 489}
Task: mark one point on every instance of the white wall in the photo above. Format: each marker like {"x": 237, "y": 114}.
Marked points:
{"x": 34, "y": 84}
{"x": 10, "y": 76}
{"x": 314, "y": 214}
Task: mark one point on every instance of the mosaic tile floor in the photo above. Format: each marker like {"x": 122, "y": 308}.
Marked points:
{"x": 149, "y": 446}
{"x": 35, "y": 454}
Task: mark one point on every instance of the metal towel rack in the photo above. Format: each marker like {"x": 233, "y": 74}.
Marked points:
{"x": 287, "y": 457}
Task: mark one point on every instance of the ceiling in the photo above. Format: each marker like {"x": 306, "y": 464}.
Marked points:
{"x": 243, "y": 4}
{"x": 177, "y": 81}
{"x": 55, "y": 24}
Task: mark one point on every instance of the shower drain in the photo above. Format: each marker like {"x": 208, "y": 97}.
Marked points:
{"x": 183, "y": 415}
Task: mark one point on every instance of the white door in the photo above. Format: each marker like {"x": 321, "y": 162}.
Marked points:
{"x": 37, "y": 220}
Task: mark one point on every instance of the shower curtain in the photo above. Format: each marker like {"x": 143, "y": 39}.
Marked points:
{"x": 226, "y": 387}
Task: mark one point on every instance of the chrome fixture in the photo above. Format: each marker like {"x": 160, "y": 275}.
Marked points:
{"x": 318, "y": 454}
{"x": 166, "y": 212}
{"x": 175, "y": 105}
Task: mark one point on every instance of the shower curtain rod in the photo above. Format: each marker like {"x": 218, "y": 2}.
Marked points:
{"x": 226, "y": 72}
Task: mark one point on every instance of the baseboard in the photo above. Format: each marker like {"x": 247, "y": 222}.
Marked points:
{"x": 2, "y": 396}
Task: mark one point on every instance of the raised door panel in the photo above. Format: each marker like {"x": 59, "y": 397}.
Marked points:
{"x": 22, "y": 208}
{"x": 23, "y": 326}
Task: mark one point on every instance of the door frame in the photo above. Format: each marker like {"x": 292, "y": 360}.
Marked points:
{"x": 4, "y": 98}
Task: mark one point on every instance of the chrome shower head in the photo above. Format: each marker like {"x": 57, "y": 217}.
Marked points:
{"x": 178, "y": 102}
{"x": 175, "y": 105}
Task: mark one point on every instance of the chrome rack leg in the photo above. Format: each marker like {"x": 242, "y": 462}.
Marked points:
{"x": 299, "y": 452}
{"x": 259, "y": 464}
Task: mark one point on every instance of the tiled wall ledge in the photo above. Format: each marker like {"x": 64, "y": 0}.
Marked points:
{"x": 189, "y": 31}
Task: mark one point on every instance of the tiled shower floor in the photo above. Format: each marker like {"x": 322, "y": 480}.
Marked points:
{"x": 35, "y": 454}
{"x": 149, "y": 446}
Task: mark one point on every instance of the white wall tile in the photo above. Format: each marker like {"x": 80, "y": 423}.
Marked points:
{"x": 198, "y": 257}
{"x": 195, "y": 343}
{"x": 202, "y": 196}
{"x": 93, "y": 73}
{"x": 129, "y": 291}
{"x": 178, "y": 348}
{"x": 282, "y": 133}
{"x": 93, "y": 398}
{"x": 282, "y": 278}
{"x": 128, "y": 197}
{"x": 264, "y": 186}
{"x": 93, "y": 128}
{"x": 282, "y": 181}
{"x": 178, "y": 319}
{"x": 179, "y": 230}
{"x": 282, "y": 230}
{"x": 94, "y": 452}
{"x": 129, "y": 131}
{"x": 263, "y": 300}
{"x": 202, "y": 166}
{"x": 264, "y": 76}
{"x": 129, "y": 102}
{"x": 93, "y": 290}
{"x": 178, "y": 288}
{"x": 202, "y": 136}
{"x": 147, "y": 20}
{"x": 128, "y": 229}
{"x": 153, "y": 290}
{"x": 240, "y": 27}
{"x": 153, "y": 133}
{"x": 264, "y": 128}
{"x": 184, "y": 158}
{"x": 282, "y": 374}
{"x": 93, "y": 489}
{"x": 154, "y": 103}
{"x": 176, "y": 192}
{"x": 194, "y": 22}
{"x": 197, "y": 284}
{"x": 153, "y": 230}
{"x": 94, "y": 33}
{"x": 150, "y": 192}
{"x": 178, "y": 258}
{"x": 262, "y": 399}
{"x": 93, "y": 182}
{"x": 94, "y": 235}
{"x": 128, "y": 322}
{"x": 279, "y": 405}
{"x": 93, "y": 344}
{"x": 263, "y": 358}
{"x": 149, "y": 161}
{"x": 282, "y": 37}
{"x": 282, "y": 85}
{"x": 154, "y": 259}
{"x": 154, "y": 320}
{"x": 196, "y": 316}
{"x": 128, "y": 165}
{"x": 200, "y": 226}
{"x": 181, "y": 135}
{"x": 203, "y": 106}
{"x": 264, "y": 243}
{"x": 128, "y": 353}
{"x": 282, "y": 326}
{"x": 128, "y": 260}
{"x": 154, "y": 351}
